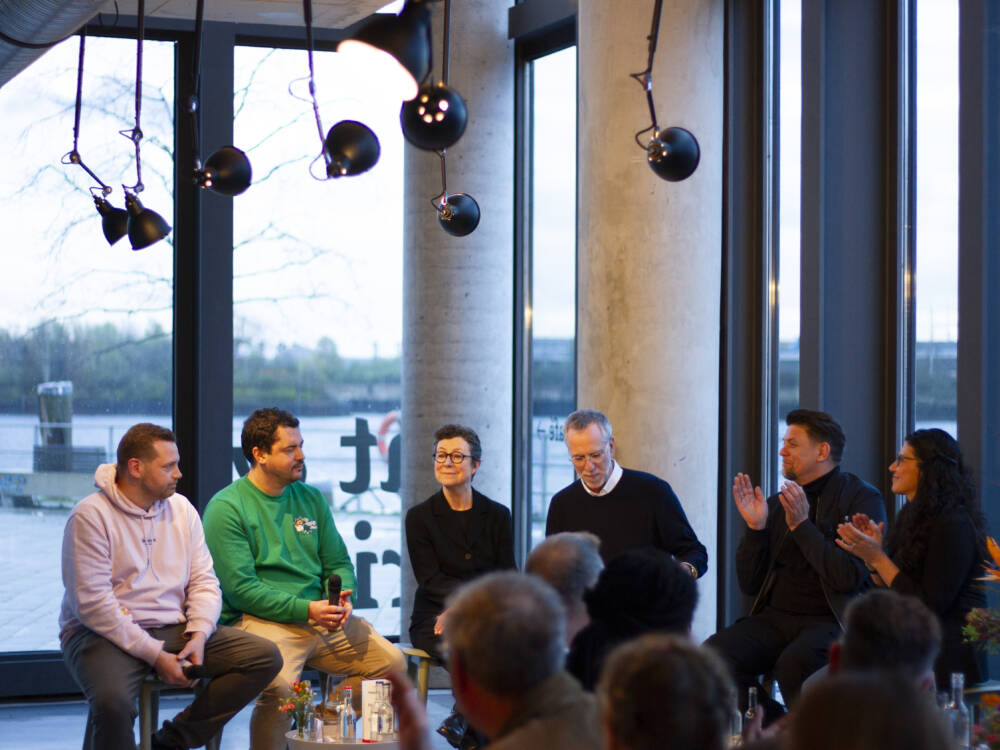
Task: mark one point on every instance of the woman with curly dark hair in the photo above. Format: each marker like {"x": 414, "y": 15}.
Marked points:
{"x": 936, "y": 548}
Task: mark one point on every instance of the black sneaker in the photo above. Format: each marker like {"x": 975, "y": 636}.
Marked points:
{"x": 453, "y": 729}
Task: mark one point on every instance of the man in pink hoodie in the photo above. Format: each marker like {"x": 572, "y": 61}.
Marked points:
{"x": 141, "y": 595}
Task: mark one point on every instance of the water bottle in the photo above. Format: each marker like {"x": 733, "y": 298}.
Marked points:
{"x": 958, "y": 713}
{"x": 347, "y": 717}
{"x": 386, "y": 718}
{"x": 751, "y": 704}
{"x": 735, "y": 726}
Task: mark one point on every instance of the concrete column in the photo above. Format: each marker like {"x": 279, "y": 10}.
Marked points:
{"x": 458, "y": 291}
{"x": 650, "y": 252}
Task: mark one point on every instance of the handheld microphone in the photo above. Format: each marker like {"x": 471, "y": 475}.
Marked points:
{"x": 194, "y": 671}
{"x": 333, "y": 586}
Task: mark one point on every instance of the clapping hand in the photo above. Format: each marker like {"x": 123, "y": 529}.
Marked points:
{"x": 750, "y": 502}
{"x": 793, "y": 499}
{"x": 862, "y": 538}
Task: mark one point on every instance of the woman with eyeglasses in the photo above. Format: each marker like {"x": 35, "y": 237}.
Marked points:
{"x": 936, "y": 548}
{"x": 454, "y": 536}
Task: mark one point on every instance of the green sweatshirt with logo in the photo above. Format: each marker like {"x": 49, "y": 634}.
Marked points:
{"x": 273, "y": 555}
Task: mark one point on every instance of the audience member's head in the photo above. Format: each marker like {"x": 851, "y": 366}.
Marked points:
{"x": 663, "y": 691}
{"x": 504, "y": 634}
{"x": 570, "y": 563}
{"x": 641, "y": 591}
{"x": 866, "y": 711}
{"x": 884, "y": 630}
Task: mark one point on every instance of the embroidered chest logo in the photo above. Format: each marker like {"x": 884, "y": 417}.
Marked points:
{"x": 304, "y": 525}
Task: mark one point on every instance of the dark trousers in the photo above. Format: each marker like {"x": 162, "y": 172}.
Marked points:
{"x": 788, "y": 647}
{"x": 238, "y": 664}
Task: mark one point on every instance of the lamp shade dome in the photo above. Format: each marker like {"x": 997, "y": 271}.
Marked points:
{"x": 459, "y": 214}
{"x": 144, "y": 226}
{"x": 114, "y": 221}
{"x": 398, "y": 45}
{"x": 435, "y": 118}
{"x": 673, "y": 154}
{"x": 227, "y": 171}
{"x": 351, "y": 148}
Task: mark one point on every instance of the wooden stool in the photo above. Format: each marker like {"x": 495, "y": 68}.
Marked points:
{"x": 149, "y": 712}
{"x": 424, "y": 662}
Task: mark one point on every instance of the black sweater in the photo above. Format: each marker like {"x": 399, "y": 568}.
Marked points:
{"x": 448, "y": 547}
{"x": 641, "y": 511}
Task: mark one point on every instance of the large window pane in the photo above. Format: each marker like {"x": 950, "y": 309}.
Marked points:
{"x": 318, "y": 299}
{"x": 553, "y": 293}
{"x": 789, "y": 232}
{"x": 85, "y": 329}
{"x": 936, "y": 351}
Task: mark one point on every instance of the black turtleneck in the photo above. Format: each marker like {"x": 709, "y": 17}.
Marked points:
{"x": 797, "y": 588}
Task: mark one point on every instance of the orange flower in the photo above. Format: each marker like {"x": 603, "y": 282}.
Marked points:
{"x": 992, "y": 567}
{"x": 991, "y": 699}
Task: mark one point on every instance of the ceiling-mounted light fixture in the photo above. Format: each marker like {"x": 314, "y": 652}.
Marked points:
{"x": 398, "y": 46}
{"x": 228, "y": 170}
{"x": 673, "y": 153}
{"x": 435, "y": 119}
{"x": 350, "y": 147}
{"x": 144, "y": 226}
{"x": 114, "y": 221}
{"x": 458, "y": 213}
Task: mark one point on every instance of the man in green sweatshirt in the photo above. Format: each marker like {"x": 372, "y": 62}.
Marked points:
{"x": 275, "y": 545}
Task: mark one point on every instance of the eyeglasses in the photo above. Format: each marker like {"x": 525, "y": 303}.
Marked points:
{"x": 580, "y": 459}
{"x": 899, "y": 458}
{"x": 456, "y": 457}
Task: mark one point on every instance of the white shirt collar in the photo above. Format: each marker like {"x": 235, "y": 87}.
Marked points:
{"x": 616, "y": 474}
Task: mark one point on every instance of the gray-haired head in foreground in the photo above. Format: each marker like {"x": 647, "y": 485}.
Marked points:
{"x": 508, "y": 631}
{"x": 581, "y": 419}
{"x": 886, "y": 630}
{"x": 663, "y": 691}
{"x": 569, "y": 562}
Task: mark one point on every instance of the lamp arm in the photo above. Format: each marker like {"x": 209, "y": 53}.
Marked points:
{"x": 307, "y": 16}
{"x": 194, "y": 99}
{"x": 73, "y": 157}
{"x": 446, "y": 52}
{"x": 135, "y": 134}
{"x": 441, "y": 199}
{"x": 645, "y": 78}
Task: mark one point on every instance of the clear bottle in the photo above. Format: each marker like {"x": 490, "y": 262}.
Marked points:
{"x": 958, "y": 713}
{"x": 735, "y": 726}
{"x": 751, "y": 704}
{"x": 386, "y": 716}
{"x": 347, "y": 718}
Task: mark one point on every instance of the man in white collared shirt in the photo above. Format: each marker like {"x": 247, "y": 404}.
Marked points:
{"x": 626, "y": 509}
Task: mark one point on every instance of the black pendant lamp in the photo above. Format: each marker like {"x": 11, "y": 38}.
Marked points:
{"x": 436, "y": 118}
{"x": 458, "y": 213}
{"x": 673, "y": 154}
{"x": 144, "y": 225}
{"x": 399, "y": 45}
{"x": 114, "y": 221}
{"x": 350, "y": 147}
{"x": 227, "y": 171}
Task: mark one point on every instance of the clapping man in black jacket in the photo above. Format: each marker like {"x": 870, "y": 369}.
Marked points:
{"x": 789, "y": 562}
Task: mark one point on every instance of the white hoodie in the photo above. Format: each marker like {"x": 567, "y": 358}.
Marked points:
{"x": 126, "y": 569}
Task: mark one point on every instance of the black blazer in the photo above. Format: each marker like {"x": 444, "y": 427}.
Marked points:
{"x": 443, "y": 556}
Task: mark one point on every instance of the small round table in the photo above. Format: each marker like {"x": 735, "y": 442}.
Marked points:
{"x": 297, "y": 743}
